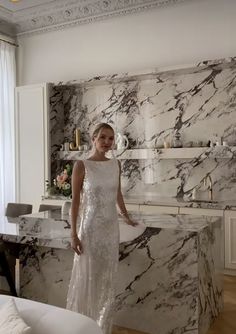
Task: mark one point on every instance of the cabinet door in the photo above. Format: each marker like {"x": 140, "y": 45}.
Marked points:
{"x": 149, "y": 209}
{"x": 230, "y": 239}
{"x": 32, "y": 143}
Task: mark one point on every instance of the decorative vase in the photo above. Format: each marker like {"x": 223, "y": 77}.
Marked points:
{"x": 122, "y": 141}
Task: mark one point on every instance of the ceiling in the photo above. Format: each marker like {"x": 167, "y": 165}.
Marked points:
{"x": 34, "y": 16}
{"x": 22, "y": 4}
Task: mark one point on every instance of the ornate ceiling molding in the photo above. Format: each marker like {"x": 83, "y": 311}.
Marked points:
{"x": 62, "y": 14}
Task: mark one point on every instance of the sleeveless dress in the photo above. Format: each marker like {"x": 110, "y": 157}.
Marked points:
{"x": 91, "y": 289}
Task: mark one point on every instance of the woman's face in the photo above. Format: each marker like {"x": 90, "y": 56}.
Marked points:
{"x": 104, "y": 140}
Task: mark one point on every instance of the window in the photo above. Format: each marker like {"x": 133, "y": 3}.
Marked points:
{"x": 7, "y": 133}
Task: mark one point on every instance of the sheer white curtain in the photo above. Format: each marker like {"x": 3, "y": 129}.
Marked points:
{"x": 7, "y": 132}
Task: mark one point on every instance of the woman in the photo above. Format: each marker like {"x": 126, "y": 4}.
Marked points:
{"x": 96, "y": 190}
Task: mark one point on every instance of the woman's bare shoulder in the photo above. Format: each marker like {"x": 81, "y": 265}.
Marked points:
{"x": 79, "y": 166}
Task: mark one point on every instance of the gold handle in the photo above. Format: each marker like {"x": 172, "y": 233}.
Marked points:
{"x": 77, "y": 138}
{"x": 75, "y": 145}
{"x": 72, "y": 146}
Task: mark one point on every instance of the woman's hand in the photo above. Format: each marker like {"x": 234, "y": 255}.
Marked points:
{"x": 76, "y": 245}
{"x": 127, "y": 219}
{"x": 131, "y": 222}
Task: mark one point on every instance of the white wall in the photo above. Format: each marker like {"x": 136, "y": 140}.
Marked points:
{"x": 191, "y": 31}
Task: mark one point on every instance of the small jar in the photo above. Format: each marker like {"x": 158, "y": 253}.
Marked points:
{"x": 177, "y": 142}
{"x": 194, "y": 193}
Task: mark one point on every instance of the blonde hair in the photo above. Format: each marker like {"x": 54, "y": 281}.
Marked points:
{"x": 97, "y": 130}
{"x": 99, "y": 127}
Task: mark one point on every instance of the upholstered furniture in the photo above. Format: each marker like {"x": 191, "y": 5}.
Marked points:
{"x": 46, "y": 207}
{"x": 18, "y": 209}
{"x": 11, "y": 321}
{"x": 12, "y": 210}
{"x": 48, "y": 319}
{"x": 5, "y": 269}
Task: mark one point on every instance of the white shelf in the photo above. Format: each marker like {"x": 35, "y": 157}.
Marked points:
{"x": 218, "y": 152}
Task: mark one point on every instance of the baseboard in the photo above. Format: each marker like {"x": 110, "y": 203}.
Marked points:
{"x": 230, "y": 272}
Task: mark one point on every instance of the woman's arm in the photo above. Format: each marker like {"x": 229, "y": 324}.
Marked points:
{"x": 121, "y": 204}
{"x": 77, "y": 182}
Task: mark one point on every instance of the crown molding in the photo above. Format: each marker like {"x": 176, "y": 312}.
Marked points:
{"x": 62, "y": 14}
{"x": 6, "y": 14}
{"x": 7, "y": 28}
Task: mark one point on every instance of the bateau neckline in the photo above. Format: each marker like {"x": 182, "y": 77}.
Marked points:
{"x": 99, "y": 160}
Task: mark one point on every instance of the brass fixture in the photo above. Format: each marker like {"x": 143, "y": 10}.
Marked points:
{"x": 75, "y": 146}
{"x": 208, "y": 183}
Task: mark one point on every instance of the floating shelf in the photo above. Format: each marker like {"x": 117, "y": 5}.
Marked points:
{"x": 218, "y": 152}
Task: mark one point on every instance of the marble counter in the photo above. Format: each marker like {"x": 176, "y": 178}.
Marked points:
{"x": 169, "y": 278}
{"x": 52, "y": 229}
{"x": 172, "y": 276}
{"x": 146, "y": 199}
{"x": 150, "y": 199}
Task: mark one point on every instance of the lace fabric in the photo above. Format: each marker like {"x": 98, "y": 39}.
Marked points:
{"x": 91, "y": 289}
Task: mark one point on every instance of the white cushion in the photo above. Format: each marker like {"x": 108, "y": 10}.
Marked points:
{"x": 10, "y": 320}
{"x": 48, "y": 319}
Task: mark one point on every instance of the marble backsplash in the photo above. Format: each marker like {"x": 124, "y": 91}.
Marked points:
{"x": 199, "y": 101}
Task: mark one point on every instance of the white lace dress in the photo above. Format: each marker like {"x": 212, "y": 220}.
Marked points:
{"x": 91, "y": 289}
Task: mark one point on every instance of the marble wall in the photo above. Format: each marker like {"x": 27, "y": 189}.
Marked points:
{"x": 199, "y": 101}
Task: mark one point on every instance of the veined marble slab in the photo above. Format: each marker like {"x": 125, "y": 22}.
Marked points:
{"x": 155, "y": 199}
{"x": 174, "y": 275}
{"x": 216, "y": 152}
{"x": 169, "y": 278}
{"x": 148, "y": 108}
{"x": 147, "y": 73}
{"x": 52, "y": 229}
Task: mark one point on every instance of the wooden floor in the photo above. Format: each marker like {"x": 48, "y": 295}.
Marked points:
{"x": 224, "y": 324}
